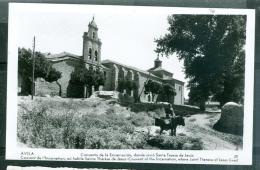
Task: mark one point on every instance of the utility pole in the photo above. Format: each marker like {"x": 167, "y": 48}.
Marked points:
{"x": 33, "y": 67}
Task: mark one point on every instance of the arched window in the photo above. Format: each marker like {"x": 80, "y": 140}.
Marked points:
{"x": 96, "y": 56}
{"x": 93, "y": 35}
{"x": 89, "y": 53}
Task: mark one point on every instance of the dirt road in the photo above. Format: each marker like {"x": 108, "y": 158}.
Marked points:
{"x": 200, "y": 126}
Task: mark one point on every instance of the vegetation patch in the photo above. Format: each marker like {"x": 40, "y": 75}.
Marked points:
{"x": 66, "y": 124}
{"x": 181, "y": 142}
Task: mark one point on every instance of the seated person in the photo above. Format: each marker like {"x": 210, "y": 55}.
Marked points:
{"x": 169, "y": 111}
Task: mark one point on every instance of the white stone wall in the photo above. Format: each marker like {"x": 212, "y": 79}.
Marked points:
{"x": 119, "y": 72}
{"x": 179, "y": 98}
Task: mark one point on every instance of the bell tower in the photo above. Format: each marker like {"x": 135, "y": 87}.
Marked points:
{"x": 92, "y": 45}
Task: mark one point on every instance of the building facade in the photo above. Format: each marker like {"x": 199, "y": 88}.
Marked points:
{"x": 114, "y": 71}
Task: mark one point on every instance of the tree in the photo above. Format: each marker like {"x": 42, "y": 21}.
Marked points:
{"x": 54, "y": 75}
{"x": 211, "y": 47}
{"x": 99, "y": 79}
{"x": 81, "y": 76}
{"x": 168, "y": 93}
{"x": 165, "y": 91}
{"x": 233, "y": 78}
{"x": 128, "y": 85}
{"x": 76, "y": 83}
{"x": 121, "y": 85}
{"x": 25, "y": 70}
{"x": 87, "y": 77}
{"x": 152, "y": 87}
{"x": 43, "y": 69}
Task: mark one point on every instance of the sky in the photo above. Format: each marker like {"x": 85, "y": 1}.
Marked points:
{"x": 127, "y": 33}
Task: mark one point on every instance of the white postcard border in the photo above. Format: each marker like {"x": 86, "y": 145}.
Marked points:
{"x": 244, "y": 156}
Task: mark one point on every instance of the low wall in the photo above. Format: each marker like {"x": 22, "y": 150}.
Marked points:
{"x": 43, "y": 88}
{"x": 182, "y": 110}
{"x": 140, "y": 107}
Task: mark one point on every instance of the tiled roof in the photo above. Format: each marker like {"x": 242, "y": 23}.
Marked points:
{"x": 159, "y": 69}
{"x": 129, "y": 67}
{"x": 61, "y": 56}
{"x": 104, "y": 67}
{"x": 173, "y": 79}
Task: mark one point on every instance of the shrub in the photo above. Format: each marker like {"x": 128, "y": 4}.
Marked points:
{"x": 40, "y": 127}
{"x": 36, "y": 129}
{"x": 106, "y": 139}
{"x": 90, "y": 121}
{"x": 141, "y": 119}
{"x": 175, "y": 142}
{"x": 156, "y": 141}
{"x": 110, "y": 111}
{"x": 128, "y": 128}
{"x": 138, "y": 141}
{"x": 96, "y": 138}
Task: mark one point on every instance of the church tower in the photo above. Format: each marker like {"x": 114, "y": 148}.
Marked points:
{"x": 92, "y": 45}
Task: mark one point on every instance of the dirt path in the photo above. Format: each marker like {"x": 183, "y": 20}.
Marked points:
{"x": 200, "y": 126}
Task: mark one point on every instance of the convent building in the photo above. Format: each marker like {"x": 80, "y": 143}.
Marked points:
{"x": 114, "y": 71}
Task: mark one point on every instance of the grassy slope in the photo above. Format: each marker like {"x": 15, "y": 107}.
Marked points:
{"x": 99, "y": 123}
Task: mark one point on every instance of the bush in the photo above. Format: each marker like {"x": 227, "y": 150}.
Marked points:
{"x": 139, "y": 141}
{"x": 175, "y": 142}
{"x": 89, "y": 122}
{"x": 106, "y": 139}
{"x": 141, "y": 119}
{"x": 35, "y": 129}
{"x": 39, "y": 127}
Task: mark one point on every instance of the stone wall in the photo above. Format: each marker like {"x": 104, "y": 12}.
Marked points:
{"x": 108, "y": 77}
{"x": 44, "y": 88}
{"x": 66, "y": 67}
{"x": 119, "y": 72}
{"x": 145, "y": 97}
{"x": 111, "y": 77}
{"x": 114, "y": 73}
{"x": 146, "y": 107}
{"x": 142, "y": 80}
{"x": 185, "y": 110}
{"x": 179, "y": 97}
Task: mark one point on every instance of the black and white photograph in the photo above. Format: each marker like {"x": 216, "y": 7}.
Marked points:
{"x": 130, "y": 84}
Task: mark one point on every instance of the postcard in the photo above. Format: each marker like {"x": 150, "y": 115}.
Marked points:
{"x": 106, "y": 83}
